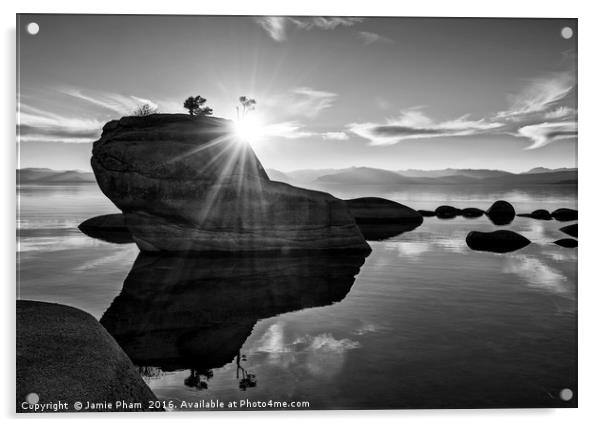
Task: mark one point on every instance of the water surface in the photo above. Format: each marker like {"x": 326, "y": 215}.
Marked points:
{"x": 423, "y": 321}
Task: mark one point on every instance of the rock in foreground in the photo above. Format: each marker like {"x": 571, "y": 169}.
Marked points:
{"x": 188, "y": 184}
{"x": 110, "y": 228}
{"x": 500, "y": 241}
{"x": 64, "y": 354}
{"x": 501, "y": 213}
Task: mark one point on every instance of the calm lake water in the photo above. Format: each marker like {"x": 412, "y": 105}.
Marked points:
{"x": 422, "y": 322}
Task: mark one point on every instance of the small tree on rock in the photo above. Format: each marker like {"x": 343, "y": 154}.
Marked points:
{"x": 196, "y": 106}
{"x": 145, "y": 110}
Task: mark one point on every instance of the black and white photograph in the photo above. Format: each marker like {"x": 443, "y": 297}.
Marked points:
{"x": 295, "y": 213}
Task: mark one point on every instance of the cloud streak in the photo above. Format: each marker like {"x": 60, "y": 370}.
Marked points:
{"x": 277, "y": 26}
{"x": 368, "y": 38}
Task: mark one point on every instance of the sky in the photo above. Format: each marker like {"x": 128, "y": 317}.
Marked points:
{"x": 331, "y": 92}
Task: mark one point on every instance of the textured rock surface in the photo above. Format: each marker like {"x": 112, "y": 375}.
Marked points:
{"x": 187, "y": 184}
{"x": 64, "y": 354}
{"x": 500, "y": 241}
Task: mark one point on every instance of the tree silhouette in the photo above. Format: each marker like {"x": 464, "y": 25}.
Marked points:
{"x": 145, "y": 110}
{"x": 195, "y": 106}
{"x": 248, "y": 104}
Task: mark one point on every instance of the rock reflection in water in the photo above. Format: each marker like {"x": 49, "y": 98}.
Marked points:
{"x": 196, "y": 313}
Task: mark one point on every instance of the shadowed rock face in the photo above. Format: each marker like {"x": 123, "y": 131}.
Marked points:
{"x": 187, "y": 184}
{"x": 375, "y": 210}
{"x": 180, "y": 313}
{"x": 110, "y": 228}
{"x": 500, "y": 241}
{"x": 64, "y": 354}
{"x": 447, "y": 212}
{"x": 501, "y": 212}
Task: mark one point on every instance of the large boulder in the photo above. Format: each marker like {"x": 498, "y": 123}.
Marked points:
{"x": 565, "y": 214}
{"x": 64, "y": 354}
{"x": 501, "y": 212}
{"x": 188, "y": 184}
{"x": 500, "y": 241}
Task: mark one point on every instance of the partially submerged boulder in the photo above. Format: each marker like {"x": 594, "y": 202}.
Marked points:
{"x": 189, "y": 184}
{"x": 472, "y": 212}
{"x": 501, "y": 212}
{"x": 571, "y": 230}
{"x": 376, "y": 210}
{"x": 542, "y": 214}
{"x": 110, "y": 228}
{"x": 567, "y": 243}
{"x": 447, "y": 212}
{"x": 500, "y": 241}
{"x": 64, "y": 354}
{"x": 565, "y": 214}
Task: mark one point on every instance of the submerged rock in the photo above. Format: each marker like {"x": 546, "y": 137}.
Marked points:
{"x": 501, "y": 212}
{"x": 375, "y": 210}
{"x": 472, "y": 212}
{"x": 426, "y": 213}
{"x": 564, "y": 214}
{"x": 447, "y": 212}
{"x": 500, "y": 241}
{"x": 567, "y": 243}
{"x": 110, "y": 228}
{"x": 188, "y": 184}
{"x": 542, "y": 214}
{"x": 571, "y": 230}
{"x": 64, "y": 354}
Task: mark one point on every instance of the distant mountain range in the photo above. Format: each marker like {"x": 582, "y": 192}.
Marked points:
{"x": 51, "y": 176}
{"x": 373, "y": 176}
{"x": 353, "y": 175}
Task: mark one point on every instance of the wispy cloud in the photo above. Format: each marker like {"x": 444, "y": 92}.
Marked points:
{"x": 113, "y": 102}
{"x": 276, "y": 26}
{"x": 538, "y": 113}
{"x": 540, "y": 95}
{"x": 414, "y": 124}
{"x": 368, "y": 38}
{"x": 335, "y": 136}
{"x": 542, "y": 134}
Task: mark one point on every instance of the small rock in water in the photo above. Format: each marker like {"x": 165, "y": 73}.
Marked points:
{"x": 564, "y": 214}
{"x": 447, "y": 212}
{"x": 500, "y": 241}
{"x": 501, "y": 213}
{"x": 472, "y": 212}
{"x": 376, "y": 210}
{"x": 567, "y": 243}
{"x": 538, "y": 214}
{"x": 571, "y": 230}
{"x": 426, "y": 213}
{"x": 110, "y": 228}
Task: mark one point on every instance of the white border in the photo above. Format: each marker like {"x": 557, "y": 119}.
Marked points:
{"x": 590, "y": 159}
